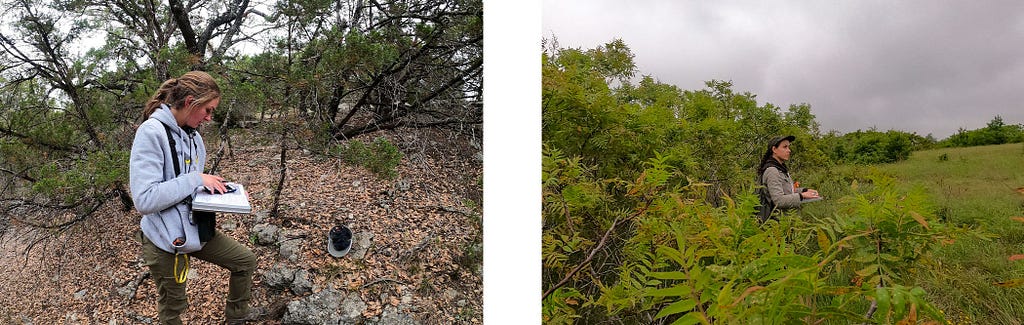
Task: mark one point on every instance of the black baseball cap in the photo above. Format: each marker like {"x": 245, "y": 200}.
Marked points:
{"x": 339, "y": 241}
{"x": 775, "y": 141}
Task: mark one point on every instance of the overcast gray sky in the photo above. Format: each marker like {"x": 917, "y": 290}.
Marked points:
{"x": 917, "y": 66}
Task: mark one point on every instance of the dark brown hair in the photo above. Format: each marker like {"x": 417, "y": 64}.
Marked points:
{"x": 198, "y": 84}
{"x": 767, "y": 160}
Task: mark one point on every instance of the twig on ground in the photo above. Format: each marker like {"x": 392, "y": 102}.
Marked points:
{"x": 406, "y": 254}
{"x": 291, "y": 237}
{"x": 446, "y": 209}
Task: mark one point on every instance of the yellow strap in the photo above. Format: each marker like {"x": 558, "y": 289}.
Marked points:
{"x": 184, "y": 271}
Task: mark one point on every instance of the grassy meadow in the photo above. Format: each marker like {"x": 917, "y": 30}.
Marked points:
{"x": 979, "y": 188}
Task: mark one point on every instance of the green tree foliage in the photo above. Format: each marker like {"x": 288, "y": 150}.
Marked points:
{"x": 382, "y": 66}
{"x": 996, "y": 132}
{"x": 873, "y": 147}
{"x": 55, "y": 110}
{"x": 648, "y": 210}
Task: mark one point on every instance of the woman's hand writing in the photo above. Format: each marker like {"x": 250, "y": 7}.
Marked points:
{"x": 809, "y": 194}
{"x": 214, "y": 183}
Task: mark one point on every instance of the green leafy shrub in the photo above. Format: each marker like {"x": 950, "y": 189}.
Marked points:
{"x": 381, "y": 157}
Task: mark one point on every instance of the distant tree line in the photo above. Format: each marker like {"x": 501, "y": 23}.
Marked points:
{"x": 996, "y": 132}
{"x": 872, "y": 146}
{"x": 877, "y": 147}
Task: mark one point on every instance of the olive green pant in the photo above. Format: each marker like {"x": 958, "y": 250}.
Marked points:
{"x": 220, "y": 250}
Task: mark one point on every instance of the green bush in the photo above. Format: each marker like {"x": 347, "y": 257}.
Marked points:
{"x": 381, "y": 157}
{"x": 873, "y": 147}
{"x": 996, "y": 132}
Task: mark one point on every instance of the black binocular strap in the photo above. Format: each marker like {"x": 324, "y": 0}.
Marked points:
{"x": 174, "y": 152}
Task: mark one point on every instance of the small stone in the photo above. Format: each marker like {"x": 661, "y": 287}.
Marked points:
{"x": 319, "y": 308}
{"x": 261, "y": 216}
{"x": 278, "y": 277}
{"x": 393, "y": 315}
{"x": 360, "y": 244}
{"x": 289, "y": 250}
{"x": 81, "y": 294}
{"x": 357, "y": 184}
{"x": 125, "y": 291}
{"x": 352, "y": 308}
{"x": 450, "y": 294}
{"x": 403, "y": 185}
{"x": 229, "y": 225}
{"x": 461, "y": 303}
{"x": 266, "y": 234}
{"x": 301, "y": 284}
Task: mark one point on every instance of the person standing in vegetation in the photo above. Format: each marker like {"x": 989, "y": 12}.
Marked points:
{"x": 166, "y": 166}
{"x": 777, "y": 190}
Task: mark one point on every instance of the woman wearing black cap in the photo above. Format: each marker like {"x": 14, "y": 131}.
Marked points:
{"x": 778, "y": 190}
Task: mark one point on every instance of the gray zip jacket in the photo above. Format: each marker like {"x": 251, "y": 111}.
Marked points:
{"x": 157, "y": 193}
{"x": 780, "y": 186}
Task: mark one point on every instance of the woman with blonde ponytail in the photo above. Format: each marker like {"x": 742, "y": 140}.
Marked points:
{"x": 166, "y": 167}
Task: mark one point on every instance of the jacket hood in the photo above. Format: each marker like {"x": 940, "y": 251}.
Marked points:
{"x": 165, "y": 116}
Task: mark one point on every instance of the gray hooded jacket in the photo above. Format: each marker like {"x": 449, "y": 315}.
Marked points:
{"x": 157, "y": 193}
{"x": 780, "y": 187}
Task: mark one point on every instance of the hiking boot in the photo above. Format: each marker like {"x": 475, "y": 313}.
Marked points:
{"x": 255, "y": 314}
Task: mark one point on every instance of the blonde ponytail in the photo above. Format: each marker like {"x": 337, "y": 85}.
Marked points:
{"x": 198, "y": 84}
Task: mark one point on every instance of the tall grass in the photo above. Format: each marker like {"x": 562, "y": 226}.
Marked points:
{"x": 974, "y": 187}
